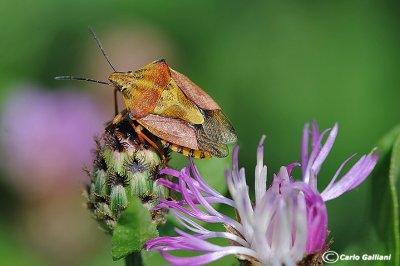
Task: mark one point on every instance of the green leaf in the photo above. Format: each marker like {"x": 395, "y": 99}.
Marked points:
{"x": 394, "y": 174}
{"x": 385, "y": 204}
{"x": 133, "y": 230}
{"x": 168, "y": 228}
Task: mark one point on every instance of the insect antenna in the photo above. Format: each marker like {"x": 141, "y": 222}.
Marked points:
{"x": 80, "y": 78}
{"x": 101, "y": 48}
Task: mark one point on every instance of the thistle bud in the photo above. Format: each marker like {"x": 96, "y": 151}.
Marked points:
{"x": 123, "y": 167}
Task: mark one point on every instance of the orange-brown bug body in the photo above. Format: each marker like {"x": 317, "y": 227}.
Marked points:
{"x": 171, "y": 107}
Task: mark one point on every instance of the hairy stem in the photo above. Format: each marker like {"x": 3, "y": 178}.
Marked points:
{"x": 134, "y": 259}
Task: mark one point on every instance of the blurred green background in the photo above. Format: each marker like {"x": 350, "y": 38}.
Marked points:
{"x": 272, "y": 66}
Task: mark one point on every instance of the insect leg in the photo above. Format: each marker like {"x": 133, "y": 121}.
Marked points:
{"x": 138, "y": 131}
{"x": 118, "y": 118}
{"x": 116, "y": 101}
{"x": 142, "y": 137}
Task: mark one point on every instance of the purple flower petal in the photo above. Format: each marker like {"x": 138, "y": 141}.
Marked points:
{"x": 317, "y": 217}
{"x": 315, "y": 136}
{"x": 203, "y": 259}
{"x": 290, "y": 167}
{"x": 323, "y": 153}
{"x": 339, "y": 170}
{"x": 314, "y": 153}
{"x": 203, "y": 185}
{"x": 304, "y": 148}
{"x": 260, "y": 172}
{"x": 354, "y": 177}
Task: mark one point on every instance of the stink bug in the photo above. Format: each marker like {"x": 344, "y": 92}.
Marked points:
{"x": 171, "y": 107}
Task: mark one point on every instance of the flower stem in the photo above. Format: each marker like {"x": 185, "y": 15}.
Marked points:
{"x": 134, "y": 259}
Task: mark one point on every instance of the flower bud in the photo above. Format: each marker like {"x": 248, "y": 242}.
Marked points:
{"x": 123, "y": 167}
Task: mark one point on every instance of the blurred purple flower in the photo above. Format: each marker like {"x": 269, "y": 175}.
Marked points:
{"x": 47, "y": 138}
{"x": 286, "y": 222}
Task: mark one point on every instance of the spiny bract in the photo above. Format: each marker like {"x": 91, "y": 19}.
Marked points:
{"x": 123, "y": 167}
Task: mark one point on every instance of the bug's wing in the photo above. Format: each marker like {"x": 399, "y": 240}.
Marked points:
{"x": 218, "y": 128}
{"x": 193, "y": 92}
{"x": 174, "y": 103}
{"x": 171, "y": 129}
{"x": 205, "y": 143}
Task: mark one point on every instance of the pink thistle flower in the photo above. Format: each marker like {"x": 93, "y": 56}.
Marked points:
{"x": 287, "y": 221}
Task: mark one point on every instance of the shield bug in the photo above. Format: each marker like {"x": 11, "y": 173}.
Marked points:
{"x": 171, "y": 107}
